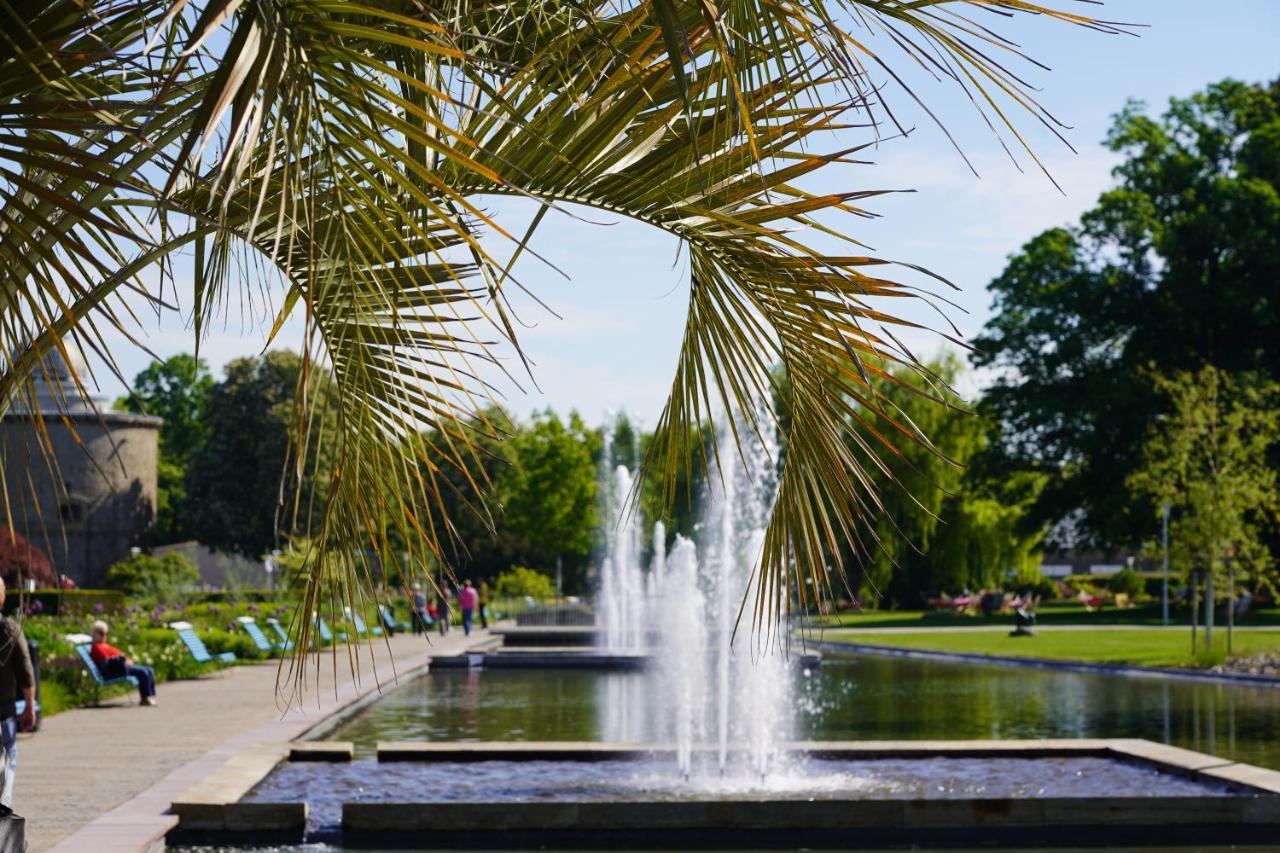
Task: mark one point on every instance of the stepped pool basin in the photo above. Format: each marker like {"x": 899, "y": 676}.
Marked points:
{"x": 848, "y": 698}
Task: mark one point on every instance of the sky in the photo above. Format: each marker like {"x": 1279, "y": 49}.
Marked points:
{"x": 622, "y": 296}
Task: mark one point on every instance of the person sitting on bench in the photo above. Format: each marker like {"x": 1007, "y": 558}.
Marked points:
{"x": 113, "y": 664}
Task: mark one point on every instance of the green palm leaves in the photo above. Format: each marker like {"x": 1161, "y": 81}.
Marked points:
{"x": 337, "y": 149}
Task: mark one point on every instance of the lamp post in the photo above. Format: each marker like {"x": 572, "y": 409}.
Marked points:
{"x": 1231, "y": 595}
{"x": 1164, "y": 540}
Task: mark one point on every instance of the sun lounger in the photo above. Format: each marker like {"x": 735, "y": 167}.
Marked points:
{"x": 358, "y": 622}
{"x": 390, "y": 622}
{"x": 283, "y": 641}
{"x": 322, "y": 627}
{"x": 259, "y": 637}
{"x": 196, "y": 646}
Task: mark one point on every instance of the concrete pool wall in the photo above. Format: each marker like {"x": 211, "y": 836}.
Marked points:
{"x": 1250, "y": 814}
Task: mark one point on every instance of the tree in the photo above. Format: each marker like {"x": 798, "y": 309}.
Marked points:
{"x": 942, "y": 525}
{"x": 158, "y": 578}
{"x": 1174, "y": 268}
{"x": 549, "y": 494}
{"x": 177, "y": 390}
{"x": 341, "y": 150}
{"x": 244, "y": 483}
{"x": 519, "y": 581}
{"x": 1207, "y": 459}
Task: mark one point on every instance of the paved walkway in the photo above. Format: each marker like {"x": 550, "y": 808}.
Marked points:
{"x": 100, "y": 779}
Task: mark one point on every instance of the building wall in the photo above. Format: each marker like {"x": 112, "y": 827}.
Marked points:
{"x": 99, "y": 499}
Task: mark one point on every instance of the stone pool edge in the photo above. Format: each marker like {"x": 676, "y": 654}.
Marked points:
{"x": 211, "y": 812}
{"x": 1116, "y": 669}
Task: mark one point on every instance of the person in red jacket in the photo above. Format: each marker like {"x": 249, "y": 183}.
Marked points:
{"x": 113, "y": 664}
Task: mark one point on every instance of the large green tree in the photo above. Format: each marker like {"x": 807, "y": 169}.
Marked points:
{"x": 177, "y": 390}
{"x": 1207, "y": 459}
{"x": 247, "y": 480}
{"x": 1174, "y": 268}
{"x": 549, "y": 495}
{"x": 942, "y": 524}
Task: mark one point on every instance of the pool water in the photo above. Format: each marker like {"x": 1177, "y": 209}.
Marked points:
{"x": 847, "y": 698}
{"x": 325, "y": 787}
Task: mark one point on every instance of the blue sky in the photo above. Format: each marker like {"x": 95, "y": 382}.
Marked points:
{"x": 623, "y": 304}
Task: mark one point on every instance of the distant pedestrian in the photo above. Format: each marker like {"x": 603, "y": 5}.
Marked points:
{"x": 468, "y": 600}
{"x": 442, "y": 611}
{"x": 418, "y": 610}
{"x": 113, "y": 664}
{"x": 16, "y": 676}
{"x": 484, "y": 604}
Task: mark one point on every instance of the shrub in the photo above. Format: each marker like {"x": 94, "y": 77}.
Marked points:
{"x": 146, "y": 576}
{"x": 520, "y": 581}
{"x": 63, "y": 602}
{"x": 1127, "y": 582}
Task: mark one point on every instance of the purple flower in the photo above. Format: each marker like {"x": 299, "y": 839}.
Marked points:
{"x": 98, "y": 608}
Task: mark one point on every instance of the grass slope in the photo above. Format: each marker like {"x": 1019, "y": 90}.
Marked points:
{"x": 1150, "y": 647}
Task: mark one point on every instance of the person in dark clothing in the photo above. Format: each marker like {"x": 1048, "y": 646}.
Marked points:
{"x": 16, "y": 677}
{"x": 484, "y": 604}
{"x": 443, "y": 606}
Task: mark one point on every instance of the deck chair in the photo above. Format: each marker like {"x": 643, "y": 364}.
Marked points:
{"x": 322, "y": 628}
{"x": 283, "y": 642}
{"x": 260, "y": 640}
{"x": 358, "y": 623}
{"x": 390, "y": 622}
{"x": 82, "y": 650}
{"x": 196, "y": 646}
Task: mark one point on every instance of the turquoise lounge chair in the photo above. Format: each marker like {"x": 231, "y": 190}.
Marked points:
{"x": 284, "y": 641}
{"x": 196, "y": 646}
{"x": 361, "y": 628}
{"x": 322, "y": 627}
{"x": 389, "y": 620}
{"x": 260, "y": 639}
{"x": 82, "y": 650}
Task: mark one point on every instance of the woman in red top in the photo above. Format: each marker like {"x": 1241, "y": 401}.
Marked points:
{"x": 113, "y": 664}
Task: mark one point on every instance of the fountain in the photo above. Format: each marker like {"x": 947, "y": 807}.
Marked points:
{"x": 708, "y": 692}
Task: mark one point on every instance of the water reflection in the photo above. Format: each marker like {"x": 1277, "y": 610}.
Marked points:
{"x": 855, "y": 698}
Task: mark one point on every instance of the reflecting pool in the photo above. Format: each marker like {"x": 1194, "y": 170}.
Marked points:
{"x": 847, "y": 698}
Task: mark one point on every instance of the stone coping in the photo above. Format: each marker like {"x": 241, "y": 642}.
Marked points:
{"x": 211, "y": 812}
{"x": 1170, "y": 759}
{"x": 1044, "y": 663}
{"x": 322, "y": 750}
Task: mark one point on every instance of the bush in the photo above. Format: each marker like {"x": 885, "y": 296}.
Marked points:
{"x": 520, "y": 581}
{"x": 159, "y": 578}
{"x": 1127, "y": 582}
{"x": 64, "y": 602}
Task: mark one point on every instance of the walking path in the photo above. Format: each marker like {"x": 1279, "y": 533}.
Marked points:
{"x": 101, "y": 779}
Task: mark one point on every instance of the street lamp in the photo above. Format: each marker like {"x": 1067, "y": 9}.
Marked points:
{"x": 1164, "y": 538}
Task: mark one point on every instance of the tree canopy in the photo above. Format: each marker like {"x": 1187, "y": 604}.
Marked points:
{"x": 1173, "y": 269}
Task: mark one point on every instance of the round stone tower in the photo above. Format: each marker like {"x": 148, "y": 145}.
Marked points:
{"x": 94, "y": 498}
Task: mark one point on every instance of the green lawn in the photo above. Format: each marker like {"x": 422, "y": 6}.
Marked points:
{"x": 1048, "y": 614}
{"x": 1137, "y": 647}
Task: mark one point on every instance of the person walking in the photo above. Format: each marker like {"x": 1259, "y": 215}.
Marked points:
{"x": 442, "y": 611}
{"x": 467, "y": 600}
{"x": 16, "y": 676}
{"x": 418, "y": 610}
{"x": 484, "y": 604}
{"x": 113, "y": 664}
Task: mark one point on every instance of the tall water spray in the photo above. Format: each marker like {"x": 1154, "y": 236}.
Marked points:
{"x": 714, "y": 685}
